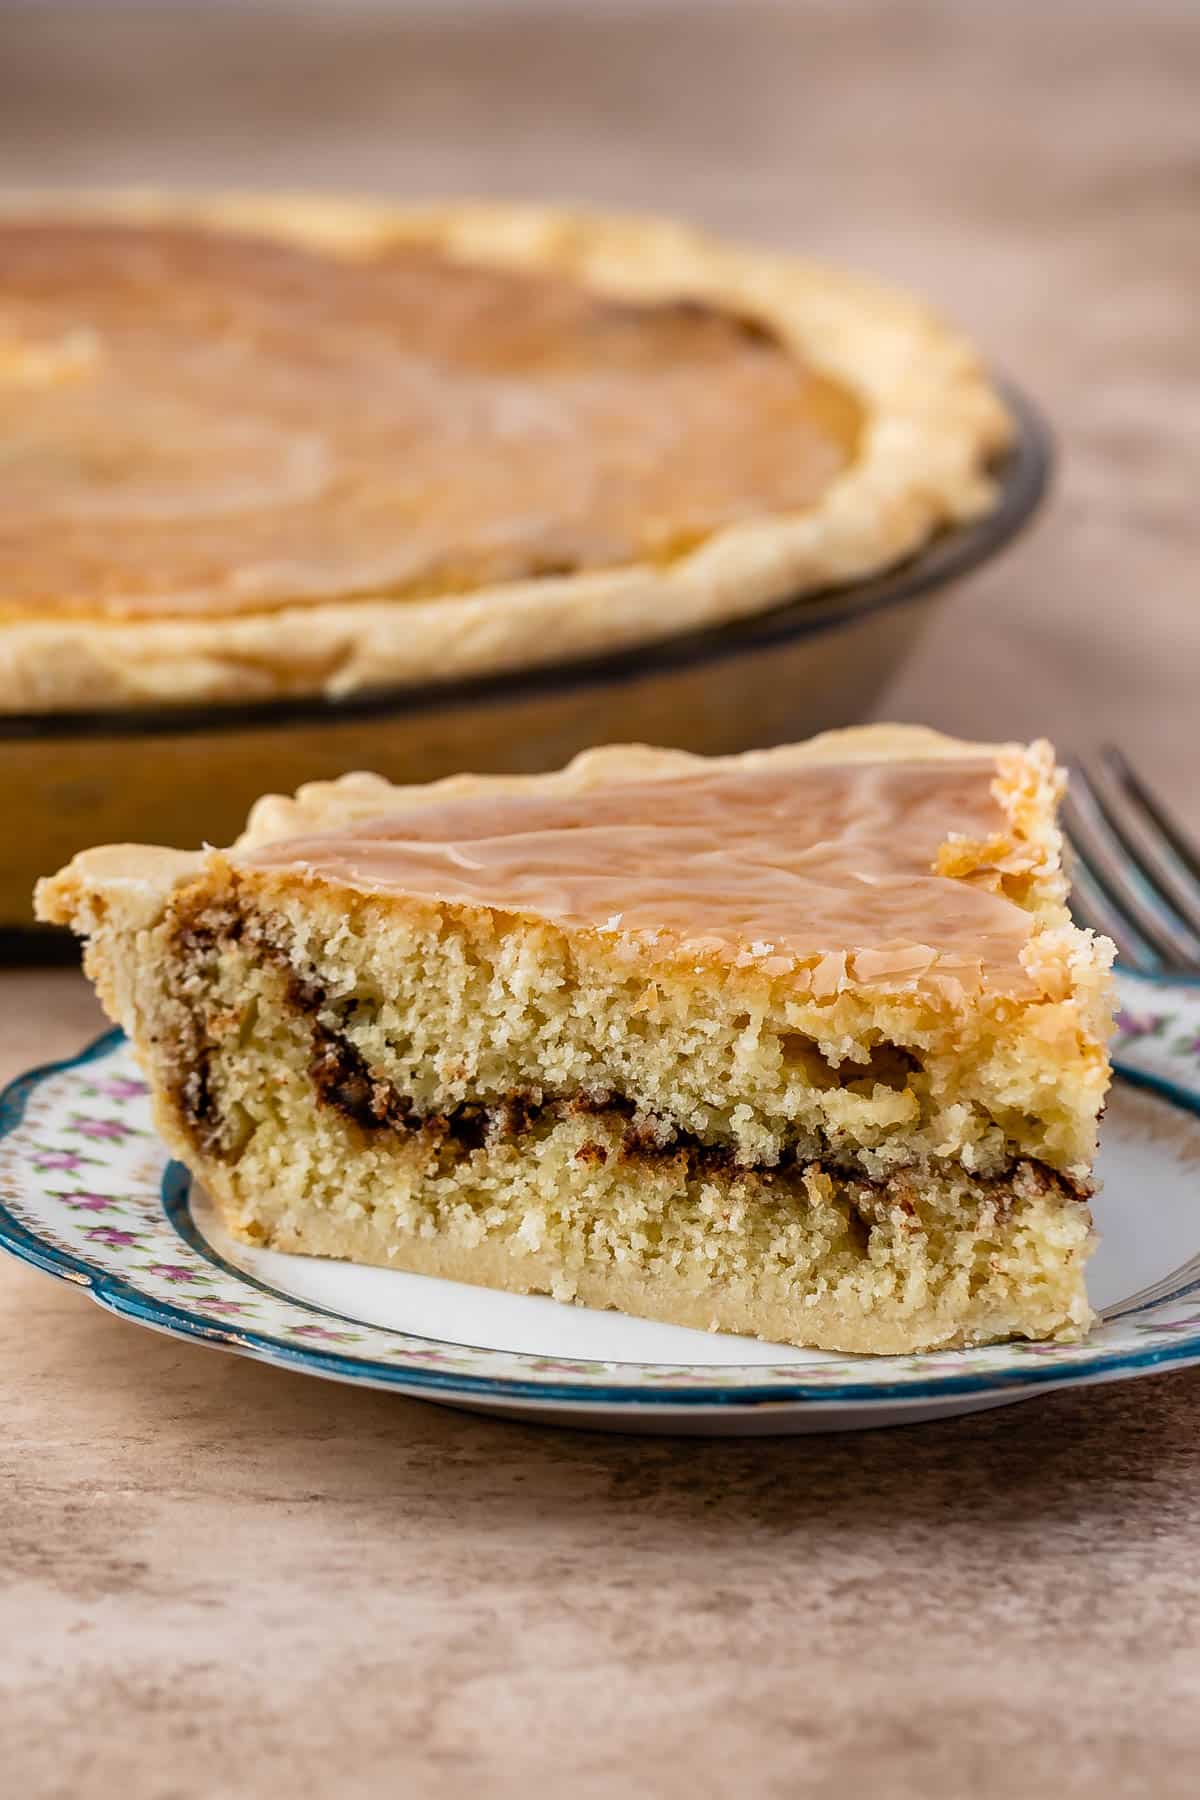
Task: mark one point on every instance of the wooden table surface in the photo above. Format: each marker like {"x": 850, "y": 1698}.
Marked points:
{"x": 218, "y": 1579}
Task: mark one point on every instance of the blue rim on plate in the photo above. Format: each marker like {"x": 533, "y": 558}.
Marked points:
{"x": 121, "y": 1297}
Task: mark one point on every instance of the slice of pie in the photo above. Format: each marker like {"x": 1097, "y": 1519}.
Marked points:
{"x": 255, "y": 448}
{"x": 799, "y": 1044}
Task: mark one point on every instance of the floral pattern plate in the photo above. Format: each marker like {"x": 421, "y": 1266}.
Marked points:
{"x": 87, "y": 1193}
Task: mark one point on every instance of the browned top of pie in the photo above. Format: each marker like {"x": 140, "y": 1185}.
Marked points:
{"x": 200, "y": 422}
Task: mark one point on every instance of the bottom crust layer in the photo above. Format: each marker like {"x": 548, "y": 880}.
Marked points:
{"x": 797, "y": 1308}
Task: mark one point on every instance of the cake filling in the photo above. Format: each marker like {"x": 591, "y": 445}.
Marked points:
{"x": 344, "y": 1082}
{"x": 571, "y": 1183}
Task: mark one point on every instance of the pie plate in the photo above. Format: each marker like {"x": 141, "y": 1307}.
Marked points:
{"x": 87, "y": 1193}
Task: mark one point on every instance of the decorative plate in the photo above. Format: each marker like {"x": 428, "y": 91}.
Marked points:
{"x": 87, "y": 1193}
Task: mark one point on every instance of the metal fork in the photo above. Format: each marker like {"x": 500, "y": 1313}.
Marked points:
{"x": 1135, "y": 871}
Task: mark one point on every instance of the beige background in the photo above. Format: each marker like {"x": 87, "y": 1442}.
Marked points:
{"x": 216, "y": 1579}
{"x": 1034, "y": 168}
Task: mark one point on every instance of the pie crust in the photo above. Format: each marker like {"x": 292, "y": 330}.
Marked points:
{"x": 930, "y": 424}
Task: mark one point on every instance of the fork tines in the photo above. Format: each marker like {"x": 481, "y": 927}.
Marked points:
{"x": 1135, "y": 871}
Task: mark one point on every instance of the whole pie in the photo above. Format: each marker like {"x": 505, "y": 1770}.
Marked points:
{"x": 254, "y": 448}
{"x": 800, "y": 1044}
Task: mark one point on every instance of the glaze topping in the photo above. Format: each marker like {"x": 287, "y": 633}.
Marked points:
{"x": 800, "y": 865}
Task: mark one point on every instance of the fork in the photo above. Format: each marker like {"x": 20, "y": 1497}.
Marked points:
{"x": 1135, "y": 872}
{"x": 1136, "y": 877}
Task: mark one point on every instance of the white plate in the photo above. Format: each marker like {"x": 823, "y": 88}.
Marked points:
{"x": 86, "y": 1193}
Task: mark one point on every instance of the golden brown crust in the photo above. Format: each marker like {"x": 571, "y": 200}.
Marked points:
{"x": 933, "y": 422}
